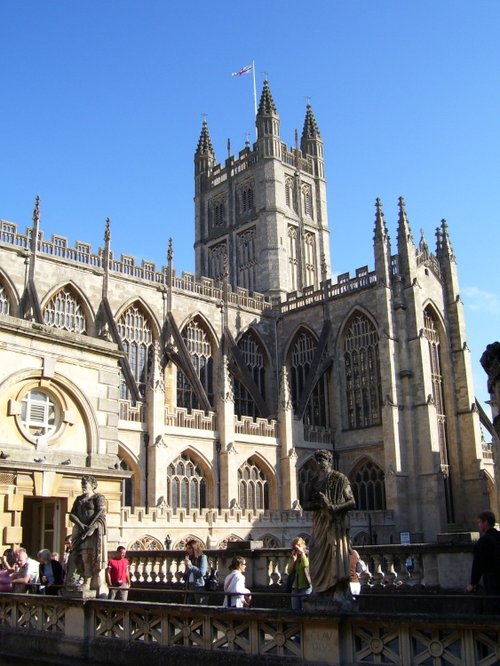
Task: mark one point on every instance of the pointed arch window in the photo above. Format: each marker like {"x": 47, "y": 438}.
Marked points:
{"x": 186, "y": 484}
{"x": 247, "y": 261}
{"x": 306, "y": 474}
{"x": 136, "y": 336}
{"x": 64, "y": 311}
{"x": 217, "y": 261}
{"x": 293, "y": 261}
{"x": 253, "y": 353}
{"x": 307, "y": 200}
{"x": 301, "y": 359}
{"x": 362, "y": 373}
{"x": 200, "y": 351}
{"x": 431, "y": 333}
{"x": 310, "y": 258}
{"x": 368, "y": 486}
{"x": 253, "y": 487}
{"x": 4, "y": 301}
{"x": 246, "y": 199}
{"x": 289, "y": 199}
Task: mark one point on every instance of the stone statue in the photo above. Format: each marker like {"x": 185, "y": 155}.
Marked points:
{"x": 88, "y": 551}
{"x": 330, "y": 497}
{"x": 490, "y": 360}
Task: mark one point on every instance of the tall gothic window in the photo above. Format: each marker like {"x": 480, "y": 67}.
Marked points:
{"x": 310, "y": 258}
{"x": 4, "y": 301}
{"x": 306, "y": 474}
{"x": 217, "y": 261}
{"x": 307, "y": 200}
{"x": 186, "y": 484}
{"x": 253, "y": 487}
{"x": 431, "y": 332}
{"x": 301, "y": 358}
{"x": 244, "y": 404}
{"x": 137, "y": 340}
{"x": 289, "y": 192}
{"x": 362, "y": 373}
{"x": 368, "y": 486}
{"x": 293, "y": 260}
{"x": 247, "y": 261}
{"x": 64, "y": 311}
{"x": 246, "y": 199}
{"x": 216, "y": 213}
{"x": 200, "y": 351}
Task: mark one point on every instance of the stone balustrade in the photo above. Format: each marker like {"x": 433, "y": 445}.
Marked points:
{"x": 117, "y": 633}
{"x": 444, "y": 567}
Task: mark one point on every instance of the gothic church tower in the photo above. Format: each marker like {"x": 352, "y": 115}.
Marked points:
{"x": 261, "y": 218}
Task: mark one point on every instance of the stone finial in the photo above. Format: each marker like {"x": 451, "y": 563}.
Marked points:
{"x": 266, "y": 105}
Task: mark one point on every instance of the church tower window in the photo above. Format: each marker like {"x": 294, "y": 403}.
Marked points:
{"x": 186, "y": 484}
{"x": 247, "y": 261}
{"x": 253, "y": 487}
{"x": 137, "y": 340}
{"x": 244, "y": 404}
{"x": 200, "y": 351}
{"x": 307, "y": 200}
{"x": 293, "y": 260}
{"x": 368, "y": 486}
{"x": 310, "y": 258}
{"x": 289, "y": 199}
{"x": 217, "y": 261}
{"x": 64, "y": 311}
{"x": 362, "y": 373}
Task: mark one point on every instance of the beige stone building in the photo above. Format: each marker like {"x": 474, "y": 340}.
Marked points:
{"x": 197, "y": 401}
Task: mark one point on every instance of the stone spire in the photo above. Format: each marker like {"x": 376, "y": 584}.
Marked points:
{"x": 267, "y": 106}
{"x": 406, "y": 244}
{"x": 311, "y": 142}
{"x": 446, "y": 248}
{"x": 205, "y": 154}
{"x": 382, "y": 246}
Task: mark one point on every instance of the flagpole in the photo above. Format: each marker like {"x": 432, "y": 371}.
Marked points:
{"x": 254, "y": 95}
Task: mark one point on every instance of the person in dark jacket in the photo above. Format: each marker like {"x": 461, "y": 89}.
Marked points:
{"x": 486, "y": 562}
{"x": 50, "y": 573}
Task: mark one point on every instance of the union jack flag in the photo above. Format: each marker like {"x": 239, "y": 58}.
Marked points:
{"x": 243, "y": 70}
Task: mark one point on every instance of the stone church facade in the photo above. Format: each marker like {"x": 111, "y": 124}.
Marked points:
{"x": 198, "y": 401}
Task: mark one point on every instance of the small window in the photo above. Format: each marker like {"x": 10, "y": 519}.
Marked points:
{"x": 40, "y": 414}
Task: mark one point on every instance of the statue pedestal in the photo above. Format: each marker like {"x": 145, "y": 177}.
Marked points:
{"x": 333, "y": 603}
{"x": 78, "y": 592}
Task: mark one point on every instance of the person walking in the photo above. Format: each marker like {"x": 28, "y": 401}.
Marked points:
{"x": 118, "y": 575}
{"x": 50, "y": 572}
{"x": 237, "y": 595}
{"x": 298, "y": 572}
{"x": 486, "y": 562}
{"x": 196, "y": 567}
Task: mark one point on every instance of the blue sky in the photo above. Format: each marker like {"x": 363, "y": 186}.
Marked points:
{"x": 103, "y": 100}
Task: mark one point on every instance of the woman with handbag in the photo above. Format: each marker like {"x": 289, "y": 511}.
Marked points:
{"x": 299, "y": 579}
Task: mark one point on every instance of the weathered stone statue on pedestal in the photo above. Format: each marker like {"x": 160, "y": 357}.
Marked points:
{"x": 330, "y": 497}
{"x": 88, "y": 555}
{"x": 490, "y": 360}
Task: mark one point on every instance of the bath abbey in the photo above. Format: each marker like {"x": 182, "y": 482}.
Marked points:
{"x": 198, "y": 400}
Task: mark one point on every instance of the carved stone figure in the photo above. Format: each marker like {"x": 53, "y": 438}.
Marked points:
{"x": 89, "y": 551}
{"x": 330, "y": 497}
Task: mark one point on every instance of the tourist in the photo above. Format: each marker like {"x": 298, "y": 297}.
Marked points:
{"x": 168, "y": 542}
{"x": 356, "y": 567}
{"x": 486, "y": 562}
{"x": 196, "y": 566}
{"x": 237, "y": 595}
{"x": 7, "y": 568}
{"x": 50, "y": 573}
{"x": 299, "y": 579}
{"x": 26, "y": 574}
{"x": 118, "y": 575}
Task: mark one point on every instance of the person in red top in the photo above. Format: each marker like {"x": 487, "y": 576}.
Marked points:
{"x": 118, "y": 575}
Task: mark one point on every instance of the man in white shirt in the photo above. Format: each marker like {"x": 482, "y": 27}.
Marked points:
{"x": 26, "y": 573}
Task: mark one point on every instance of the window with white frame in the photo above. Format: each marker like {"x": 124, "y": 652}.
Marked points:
{"x": 40, "y": 414}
